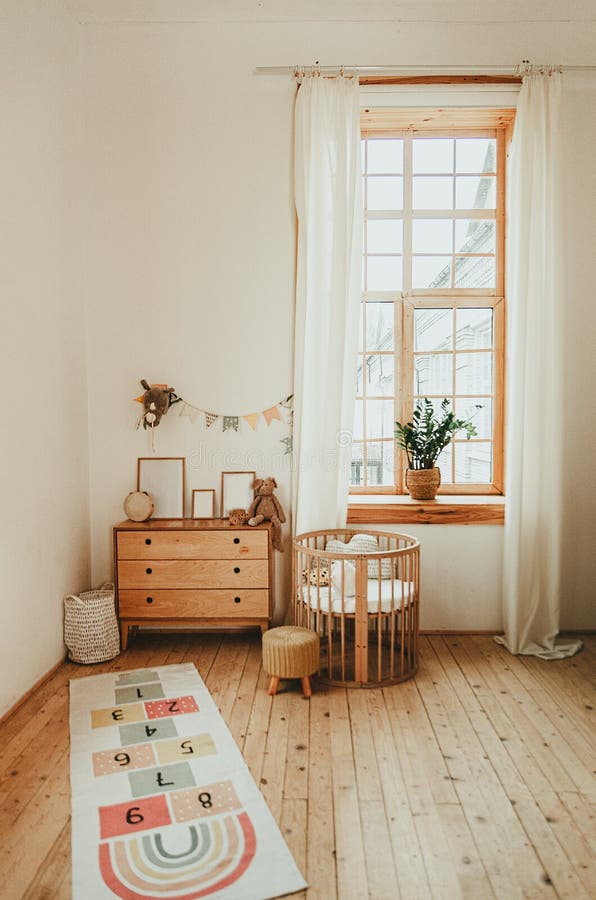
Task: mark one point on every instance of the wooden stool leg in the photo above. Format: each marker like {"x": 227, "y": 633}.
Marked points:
{"x": 273, "y": 685}
{"x": 306, "y": 688}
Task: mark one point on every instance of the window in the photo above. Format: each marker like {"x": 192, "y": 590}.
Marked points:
{"x": 432, "y": 311}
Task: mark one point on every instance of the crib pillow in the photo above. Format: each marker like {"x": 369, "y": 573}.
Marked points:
{"x": 362, "y": 543}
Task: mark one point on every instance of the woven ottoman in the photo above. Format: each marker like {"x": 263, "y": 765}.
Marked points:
{"x": 290, "y": 652}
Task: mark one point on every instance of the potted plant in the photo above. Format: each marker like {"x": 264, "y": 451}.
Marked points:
{"x": 423, "y": 439}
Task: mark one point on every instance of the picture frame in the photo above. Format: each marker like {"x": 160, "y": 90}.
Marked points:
{"x": 237, "y": 491}
{"x": 203, "y": 503}
{"x": 164, "y": 478}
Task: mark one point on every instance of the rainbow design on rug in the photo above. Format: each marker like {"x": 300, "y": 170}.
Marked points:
{"x": 168, "y": 801}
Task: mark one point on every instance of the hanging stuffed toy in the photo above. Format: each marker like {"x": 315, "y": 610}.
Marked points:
{"x": 156, "y": 401}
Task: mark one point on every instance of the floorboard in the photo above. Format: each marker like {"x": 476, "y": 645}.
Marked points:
{"x": 475, "y": 780}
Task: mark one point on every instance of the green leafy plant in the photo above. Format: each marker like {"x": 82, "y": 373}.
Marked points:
{"x": 430, "y": 432}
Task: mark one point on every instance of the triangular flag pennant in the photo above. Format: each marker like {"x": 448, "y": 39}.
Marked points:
{"x": 288, "y": 403}
{"x": 210, "y": 418}
{"x": 251, "y": 418}
{"x": 193, "y": 412}
{"x": 231, "y": 422}
{"x": 288, "y": 443}
{"x": 271, "y": 414}
{"x": 183, "y": 409}
{"x": 140, "y": 399}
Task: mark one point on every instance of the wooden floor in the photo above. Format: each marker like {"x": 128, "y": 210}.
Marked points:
{"x": 475, "y": 780}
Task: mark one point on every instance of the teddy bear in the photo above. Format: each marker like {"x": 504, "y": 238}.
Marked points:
{"x": 267, "y": 508}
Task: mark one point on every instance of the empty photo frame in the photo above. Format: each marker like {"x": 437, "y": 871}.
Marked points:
{"x": 236, "y": 491}
{"x": 163, "y": 478}
{"x": 203, "y": 504}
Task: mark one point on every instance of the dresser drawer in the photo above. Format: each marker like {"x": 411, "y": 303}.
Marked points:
{"x": 193, "y": 573}
{"x": 240, "y": 544}
{"x": 194, "y": 604}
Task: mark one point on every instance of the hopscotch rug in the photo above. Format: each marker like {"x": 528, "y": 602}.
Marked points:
{"x": 163, "y": 804}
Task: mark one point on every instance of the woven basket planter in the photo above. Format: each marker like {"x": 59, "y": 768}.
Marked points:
{"x": 423, "y": 484}
{"x": 90, "y": 626}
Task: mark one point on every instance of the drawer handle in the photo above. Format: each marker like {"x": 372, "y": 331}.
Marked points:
{"x": 148, "y": 571}
{"x": 236, "y": 540}
{"x": 149, "y": 599}
{"x": 236, "y": 599}
{"x": 236, "y": 569}
{"x": 147, "y": 540}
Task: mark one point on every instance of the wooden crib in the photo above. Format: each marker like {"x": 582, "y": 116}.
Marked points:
{"x": 363, "y": 605}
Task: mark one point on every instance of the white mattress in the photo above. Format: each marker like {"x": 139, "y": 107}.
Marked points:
{"x": 308, "y": 594}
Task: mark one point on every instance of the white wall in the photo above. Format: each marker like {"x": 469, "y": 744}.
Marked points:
{"x": 189, "y": 235}
{"x": 44, "y": 534}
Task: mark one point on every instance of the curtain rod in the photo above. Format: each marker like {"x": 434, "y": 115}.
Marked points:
{"x": 371, "y": 74}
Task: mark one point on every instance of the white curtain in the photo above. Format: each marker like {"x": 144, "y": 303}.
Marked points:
{"x": 536, "y": 320}
{"x": 329, "y": 207}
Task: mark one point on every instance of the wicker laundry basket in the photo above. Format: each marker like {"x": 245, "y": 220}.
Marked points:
{"x": 90, "y": 626}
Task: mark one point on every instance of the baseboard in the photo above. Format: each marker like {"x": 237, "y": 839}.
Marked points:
{"x": 578, "y": 631}
{"x": 41, "y": 681}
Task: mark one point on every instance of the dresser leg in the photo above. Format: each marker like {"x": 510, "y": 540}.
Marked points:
{"x": 264, "y": 627}
{"x": 123, "y": 636}
{"x": 306, "y": 688}
{"x": 273, "y": 685}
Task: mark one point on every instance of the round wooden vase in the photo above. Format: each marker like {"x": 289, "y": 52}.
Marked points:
{"x": 423, "y": 484}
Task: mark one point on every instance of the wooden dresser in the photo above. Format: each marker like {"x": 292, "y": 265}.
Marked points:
{"x": 192, "y": 572}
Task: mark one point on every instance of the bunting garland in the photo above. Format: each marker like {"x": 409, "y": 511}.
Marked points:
{"x": 229, "y": 422}
{"x": 283, "y": 411}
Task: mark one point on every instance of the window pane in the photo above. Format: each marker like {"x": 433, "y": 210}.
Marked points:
{"x": 379, "y": 326}
{"x": 474, "y": 373}
{"x": 433, "y": 329}
{"x": 474, "y": 329}
{"x": 384, "y": 236}
{"x": 473, "y": 462}
{"x": 444, "y": 464}
{"x": 432, "y": 193}
{"x": 357, "y": 468}
{"x": 433, "y": 374}
{"x": 379, "y": 463}
{"x": 475, "y": 272}
{"x": 379, "y": 375}
{"x": 432, "y": 155}
{"x": 385, "y": 193}
{"x": 475, "y": 235}
{"x": 475, "y": 155}
{"x": 474, "y": 192}
{"x": 431, "y": 271}
{"x": 359, "y": 373}
{"x": 384, "y": 273}
{"x": 358, "y": 429}
{"x": 432, "y": 235}
{"x": 482, "y": 418}
{"x": 386, "y": 157}
{"x": 379, "y": 419}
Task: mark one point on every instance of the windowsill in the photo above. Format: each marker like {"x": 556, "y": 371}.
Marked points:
{"x": 392, "y": 509}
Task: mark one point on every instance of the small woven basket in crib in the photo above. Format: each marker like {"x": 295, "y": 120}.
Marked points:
{"x": 90, "y": 626}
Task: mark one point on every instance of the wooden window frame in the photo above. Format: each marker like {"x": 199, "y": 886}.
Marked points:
{"x": 407, "y": 124}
